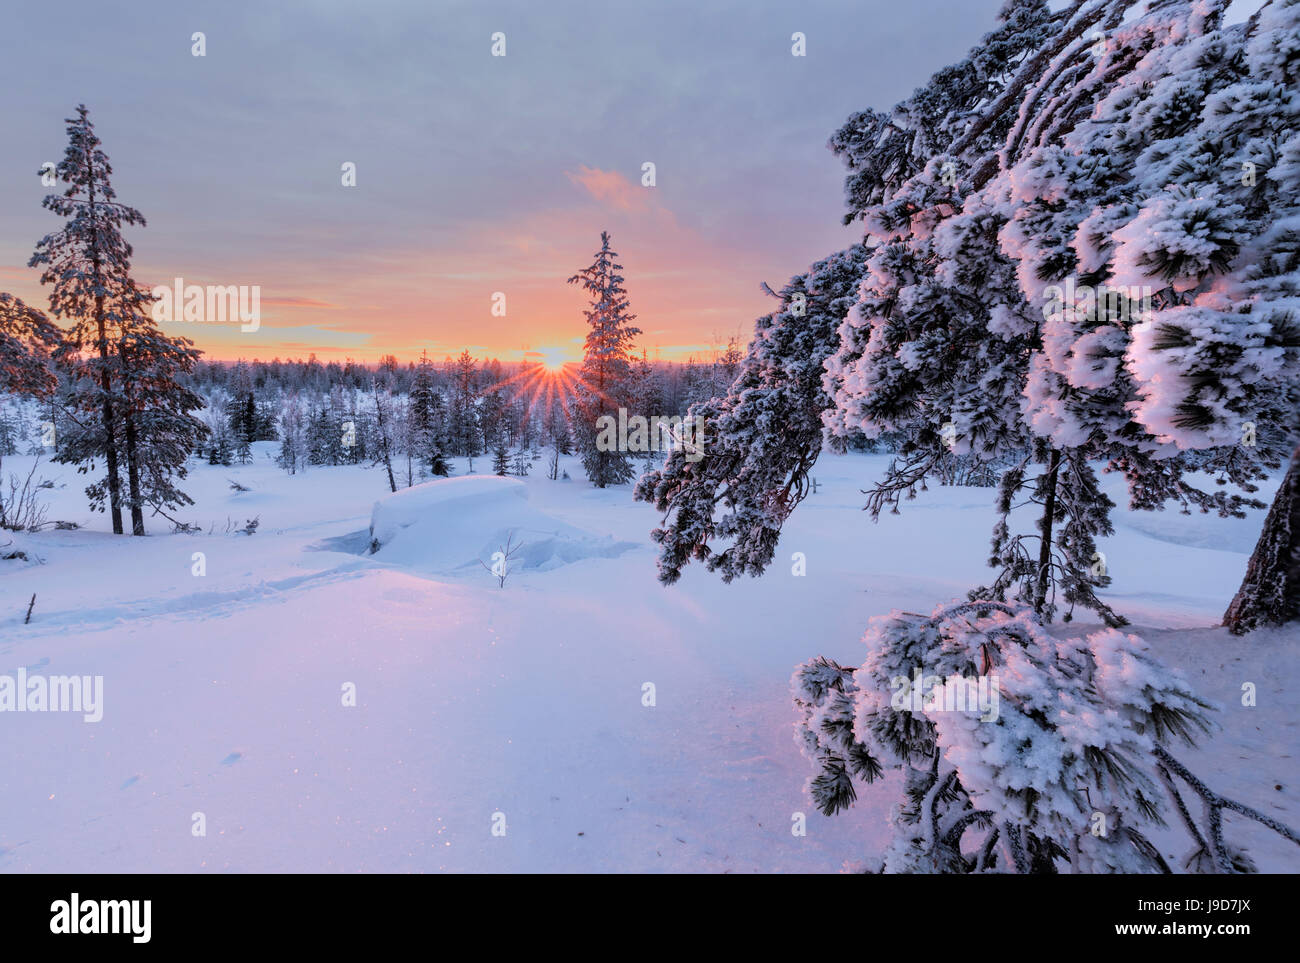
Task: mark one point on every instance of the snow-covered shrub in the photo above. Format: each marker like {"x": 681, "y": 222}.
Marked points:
{"x": 1019, "y": 752}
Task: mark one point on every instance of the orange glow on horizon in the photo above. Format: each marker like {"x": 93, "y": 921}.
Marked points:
{"x": 553, "y": 359}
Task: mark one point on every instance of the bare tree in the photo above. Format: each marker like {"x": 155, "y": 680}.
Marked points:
{"x": 500, "y": 567}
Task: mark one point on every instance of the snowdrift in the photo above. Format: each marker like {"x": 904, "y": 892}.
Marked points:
{"x": 451, "y": 524}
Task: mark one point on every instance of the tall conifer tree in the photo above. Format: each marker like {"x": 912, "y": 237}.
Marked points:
{"x": 606, "y": 365}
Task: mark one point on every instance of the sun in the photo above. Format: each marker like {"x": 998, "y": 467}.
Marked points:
{"x": 553, "y": 359}
{"x": 550, "y": 382}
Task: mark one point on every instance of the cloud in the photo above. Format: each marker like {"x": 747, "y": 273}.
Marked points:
{"x": 611, "y": 189}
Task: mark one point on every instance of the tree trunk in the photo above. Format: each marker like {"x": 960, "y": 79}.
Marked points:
{"x": 133, "y": 476}
{"x": 110, "y": 439}
{"x": 110, "y": 442}
{"x": 1270, "y": 592}
{"x": 383, "y": 444}
{"x": 1045, "y": 529}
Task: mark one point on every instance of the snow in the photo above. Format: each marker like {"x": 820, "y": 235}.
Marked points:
{"x": 451, "y": 523}
{"x": 222, "y": 692}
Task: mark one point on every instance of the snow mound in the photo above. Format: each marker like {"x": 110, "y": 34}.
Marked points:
{"x": 450, "y": 524}
{"x": 16, "y": 549}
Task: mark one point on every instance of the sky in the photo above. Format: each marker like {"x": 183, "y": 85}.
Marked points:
{"x": 475, "y": 174}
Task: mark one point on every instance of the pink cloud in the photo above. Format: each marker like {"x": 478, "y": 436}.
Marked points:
{"x": 611, "y": 189}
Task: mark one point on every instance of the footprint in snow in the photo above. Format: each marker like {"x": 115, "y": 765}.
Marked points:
{"x": 233, "y": 758}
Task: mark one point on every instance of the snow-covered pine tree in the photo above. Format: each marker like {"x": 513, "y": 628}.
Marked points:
{"x": 1102, "y": 209}
{"x": 557, "y": 439}
{"x": 27, "y": 339}
{"x": 1214, "y": 224}
{"x": 88, "y": 265}
{"x": 294, "y": 454}
{"x": 219, "y": 448}
{"x": 427, "y": 429}
{"x": 1055, "y": 199}
{"x": 882, "y": 151}
{"x": 946, "y": 338}
{"x": 606, "y": 364}
{"x": 501, "y": 456}
{"x": 159, "y": 429}
{"x": 946, "y": 341}
{"x": 760, "y": 439}
{"x": 1019, "y": 751}
{"x": 358, "y": 433}
{"x": 242, "y": 413}
{"x": 726, "y": 365}
{"x": 492, "y": 417}
{"x": 13, "y": 426}
{"x": 646, "y": 396}
{"x": 521, "y": 463}
{"x": 324, "y": 435}
{"x": 463, "y": 426}
{"x": 11, "y": 429}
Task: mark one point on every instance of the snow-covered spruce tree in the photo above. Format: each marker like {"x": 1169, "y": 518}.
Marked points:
{"x": 462, "y": 419}
{"x": 247, "y": 420}
{"x": 293, "y": 456}
{"x": 12, "y": 430}
{"x": 324, "y": 434}
{"x": 646, "y": 396}
{"x": 88, "y": 264}
{"x": 426, "y": 430}
{"x": 1020, "y": 752}
{"x": 219, "y": 449}
{"x": 501, "y": 456}
{"x": 123, "y": 371}
{"x": 492, "y": 417}
{"x": 606, "y": 366}
{"x": 521, "y": 462}
{"x": 557, "y": 434}
{"x": 761, "y": 438}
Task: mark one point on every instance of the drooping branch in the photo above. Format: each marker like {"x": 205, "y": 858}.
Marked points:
{"x": 1212, "y": 841}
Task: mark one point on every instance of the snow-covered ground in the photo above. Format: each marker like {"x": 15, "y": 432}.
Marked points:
{"x": 224, "y": 693}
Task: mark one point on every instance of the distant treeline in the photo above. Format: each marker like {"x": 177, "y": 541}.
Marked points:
{"x": 680, "y": 383}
